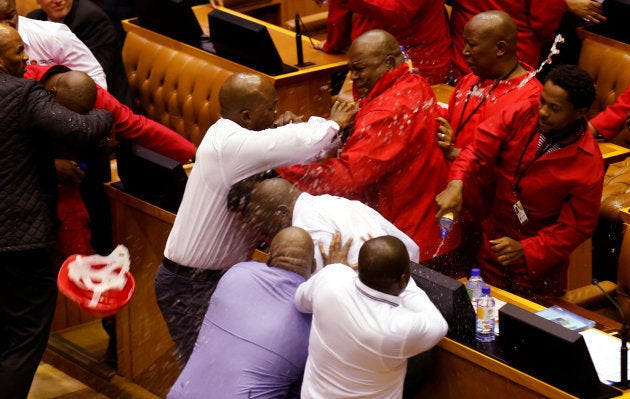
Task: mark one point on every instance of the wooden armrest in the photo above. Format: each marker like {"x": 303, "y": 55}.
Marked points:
{"x": 314, "y": 22}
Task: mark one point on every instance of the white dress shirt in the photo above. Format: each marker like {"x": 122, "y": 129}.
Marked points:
{"x": 323, "y": 215}
{"x": 205, "y": 234}
{"x": 361, "y": 338}
{"x": 52, "y": 43}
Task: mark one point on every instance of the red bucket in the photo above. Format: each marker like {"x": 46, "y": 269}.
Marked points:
{"x": 110, "y": 302}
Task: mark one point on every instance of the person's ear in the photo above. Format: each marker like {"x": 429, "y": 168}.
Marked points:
{"x": 404, "y": 280}
{"x": 285, "y": 213}
{"x": 501, "y": 48}
{"x": 390, "y": 62}
{"x": 246, "y": 117}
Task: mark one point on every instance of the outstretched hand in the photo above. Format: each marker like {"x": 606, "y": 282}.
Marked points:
{"x": 343, "y": 113}
{"x": 337, "y": 251}
{"x": 450, "y": 200}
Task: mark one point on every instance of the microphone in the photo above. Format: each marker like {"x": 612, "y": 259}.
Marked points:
{"x": 623, "y": 383}
{"x": 298, "y": 42}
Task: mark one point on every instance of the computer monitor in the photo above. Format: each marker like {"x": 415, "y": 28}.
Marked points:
{"x": 451, "y": 299}
{"x": 150, "y": 176}
{"x": 617, "y": 14}
{"x": 549, "y": 352}
{"x": 246, "y": 42}
{"x": 174, "y": 19}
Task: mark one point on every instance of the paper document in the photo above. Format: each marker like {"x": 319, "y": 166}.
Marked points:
{"x": 605, "y": 352}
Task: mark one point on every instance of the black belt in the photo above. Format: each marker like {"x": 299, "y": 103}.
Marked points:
{"x": 188, "y": 271}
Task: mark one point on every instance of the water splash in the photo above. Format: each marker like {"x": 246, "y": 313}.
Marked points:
{"x": 437, "y": 251}
{"x": 553, "y": 51}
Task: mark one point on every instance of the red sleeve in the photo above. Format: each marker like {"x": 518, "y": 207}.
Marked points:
{"x": 145, "y": 131}
{"x": 610, "y": 122}
{"x": 367, "y": 156}
{"x": 545, "y": 17}
{"x": 338, "y": 27}
{"x": 388, "y": 12}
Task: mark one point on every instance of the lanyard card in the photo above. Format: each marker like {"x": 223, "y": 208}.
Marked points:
{"x": 520, "y": 212}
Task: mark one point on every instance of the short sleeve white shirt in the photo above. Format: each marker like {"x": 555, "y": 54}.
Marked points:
{"x": 361, "y": 338}
{"x": 52, "y": 43}
{"x": 323, "y": 215}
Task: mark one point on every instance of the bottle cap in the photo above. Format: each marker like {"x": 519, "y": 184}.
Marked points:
{"x": 485, "y": 290}
{"x": 475, "y": 272}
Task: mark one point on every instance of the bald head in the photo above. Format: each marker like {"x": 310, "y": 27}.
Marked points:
{"x": 371, "y": 56}
{"x": 292, "y": 249}
{"x": 384, "y": 265}
{"x": 12, "y": 56}
{"x": 8, "y": 13}
{"x": 490, "y": 39}
{"x": 74, "y": 90}
{"x": 249, "y": 100}
{"x": 270, "y": 207}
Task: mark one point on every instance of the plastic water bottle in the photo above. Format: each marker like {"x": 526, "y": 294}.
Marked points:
{"x": 485, "y": 316}
{"x": 473, "y": 286}
{"x": 446, "y": 224}
{"x": 406, "y": 58}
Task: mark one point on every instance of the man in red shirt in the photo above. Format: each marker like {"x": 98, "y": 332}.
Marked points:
{"x": 391, "y": 160}
{"x": 537, "y": 20}
{"x": 548, "y": 189}
{"x": 420, "y": 26}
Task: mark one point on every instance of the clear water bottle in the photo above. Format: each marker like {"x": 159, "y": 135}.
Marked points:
{"x": 406, "y": 58}
{"x": 473, "y": 286}
{"x": 485, "y": 316}
{"x": 446, "y": 224}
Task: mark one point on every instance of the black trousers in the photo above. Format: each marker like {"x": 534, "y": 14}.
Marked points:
{"x": 28, "y": 293}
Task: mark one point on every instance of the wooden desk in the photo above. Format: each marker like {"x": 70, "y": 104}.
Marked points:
{"x": 305, "y": 92}
{"x": 461, "y": 372}
{"x": 145, "y": 349}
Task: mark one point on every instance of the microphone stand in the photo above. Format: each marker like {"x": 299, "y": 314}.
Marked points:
{"x": 298, "y": 43}
{"x": 623, "y": 352}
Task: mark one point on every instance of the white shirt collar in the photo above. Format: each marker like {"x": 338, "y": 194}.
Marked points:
{"x": 376, "y": 295}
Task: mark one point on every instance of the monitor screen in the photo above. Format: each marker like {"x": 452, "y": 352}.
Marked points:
{"x": 246, "y": 42}
{"x": 174, "y": 19}
{"x": 550, "y": 352}
{"x": 150, "y": 176}
{"x": 451, "y": 299}
{"x": 617, "y": 14}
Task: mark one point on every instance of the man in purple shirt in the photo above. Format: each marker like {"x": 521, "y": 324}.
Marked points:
{"x": 254, "y": 342}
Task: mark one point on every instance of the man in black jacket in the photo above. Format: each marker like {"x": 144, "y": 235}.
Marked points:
{"x": 30, "y": 120}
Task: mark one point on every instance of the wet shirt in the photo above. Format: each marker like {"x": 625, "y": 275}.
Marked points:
{"x": 391, "y": 160}
{"x": 205, "y": 234}
{"x": 253, "y": 342}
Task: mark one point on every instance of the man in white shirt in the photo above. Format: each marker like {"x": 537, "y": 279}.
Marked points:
{"x": 206, "y": 238}
{"x": 51, "y": 43}
{"x": 366, "y": 326}
{"x": 273, "y": 204}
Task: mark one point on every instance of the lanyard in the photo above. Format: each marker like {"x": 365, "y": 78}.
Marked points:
{"x": 460, "y": 123}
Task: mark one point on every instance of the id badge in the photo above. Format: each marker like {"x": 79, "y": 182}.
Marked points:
{"x": 520, "y": 212}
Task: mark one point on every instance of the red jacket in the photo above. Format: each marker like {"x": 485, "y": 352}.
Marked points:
{"x": 536, "y": 21}
{"x": 421, "y": 26}
{"x": 391, "y": 160}
{"x": 130, "y": 126}
{"x": 611, "y": 121}
{"x": 560, "y": 192}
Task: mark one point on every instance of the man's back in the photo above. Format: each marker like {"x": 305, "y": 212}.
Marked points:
{"x": 323, "y": 215}
{"x": 253, "y": 342}
{"x": 361, "y": 338}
